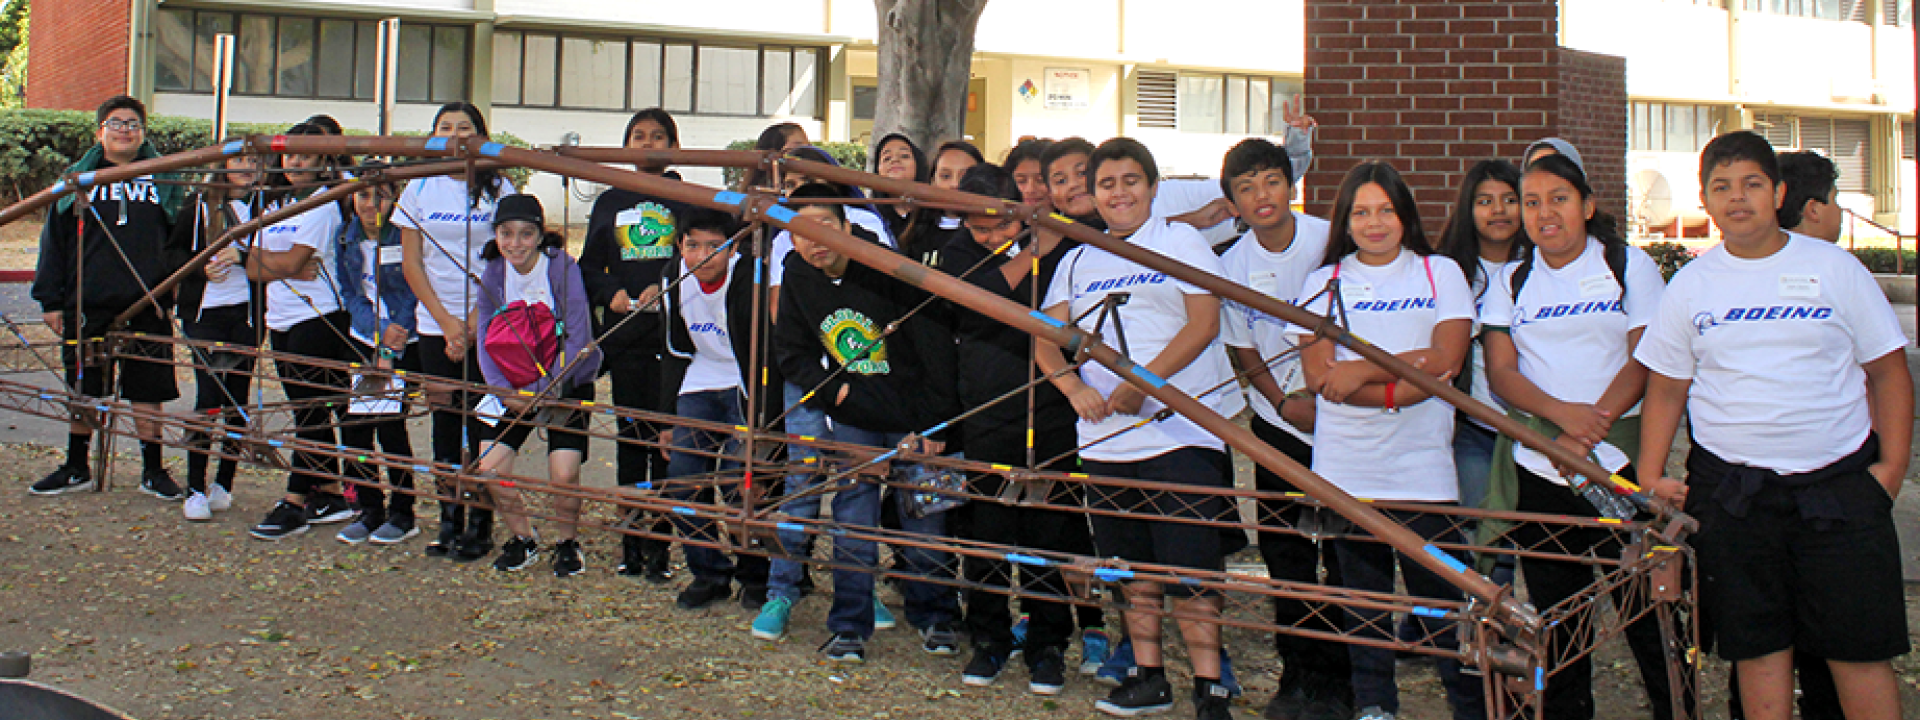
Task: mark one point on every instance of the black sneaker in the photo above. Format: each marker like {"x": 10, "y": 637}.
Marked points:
{"x": 161, "y": 485}
{"x": 988, "y": 660}
{"x": 1046, "y": 670}
{"x": 63, "y": 479}
{"x": 753, "y": 597}
{"x": 845, "y": 648}
{"x": 516, "y": 554}
{"x": 940, "y": 639}
{"x": 1210, "y": 700}
{"x": 328, "y": 508}
{"x": 702, "y": 592}
{"x": 1138, "y": 695}
{"x": 566, "y": 559}
{"x": 284, "y": 520}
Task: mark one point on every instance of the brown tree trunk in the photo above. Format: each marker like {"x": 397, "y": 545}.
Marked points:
{"x": 925, "y": 58}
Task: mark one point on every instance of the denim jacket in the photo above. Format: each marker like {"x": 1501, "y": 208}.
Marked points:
{"x": 395, "y": 294}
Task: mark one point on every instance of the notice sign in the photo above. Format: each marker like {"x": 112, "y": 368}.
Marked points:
{"x": 1069, "y": 88}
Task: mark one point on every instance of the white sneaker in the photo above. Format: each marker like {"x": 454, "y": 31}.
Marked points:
{"x": 197, "y": 508}
{"x": 218, "y": 498}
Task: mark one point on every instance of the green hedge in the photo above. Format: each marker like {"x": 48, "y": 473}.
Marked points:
{"x": 1669, "y": 256}
{"x": 849, "y": 155}
{"x": 1880, "y": 259}
{"x": 37, "y": 145}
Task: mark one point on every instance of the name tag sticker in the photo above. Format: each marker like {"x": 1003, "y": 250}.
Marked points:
{"x": 1800, "y": 286}
{"x": 628, "y": 217}
{"x": 1265, "y": 283}
{"x": 1597, "y": 285}
{"x": 1353, "y": 292}
{"x": 490, "y": 410}
{"x": 390, "y": 254}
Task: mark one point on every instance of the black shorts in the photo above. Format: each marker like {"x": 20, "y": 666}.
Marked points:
{"x": 141, "y": 381}
{"x": 516, "y": 435}
{"x": 1182, "y": 544}
{"x": 1771, "y": 580}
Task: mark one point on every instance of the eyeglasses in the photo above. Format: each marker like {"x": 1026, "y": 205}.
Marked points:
{"x": 126, "y": 125}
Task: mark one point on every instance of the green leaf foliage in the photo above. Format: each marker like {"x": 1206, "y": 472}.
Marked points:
{"x": 849, "y": 155}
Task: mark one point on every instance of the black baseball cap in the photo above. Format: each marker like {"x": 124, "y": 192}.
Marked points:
{"x": 519, "y": 207}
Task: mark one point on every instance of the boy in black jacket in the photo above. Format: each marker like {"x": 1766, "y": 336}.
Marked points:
{"x": 98, "y": 256}
{"x": 710, "y": 366}
{"x": 881, "y": 386}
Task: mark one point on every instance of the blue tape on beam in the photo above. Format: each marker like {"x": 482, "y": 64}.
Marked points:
{"x": 231, "y": 435}
{"x": 233, "y": 147}
{"x": 492, "y": 149}
{"x": 729, "y": 197}
{"x": 1450, "y": 561}
{"x": 59, "y": 187}
{"x": 683, "y": 510}
{"x": 793, "y": 527}
{"x": 1027, "y": 560}
{"x": 885, "y": 456}
{"x": 438, "y": 143}
{"x": 44, "y": 396}
{"x": 1190, "y": 581}
{"x": 422, "y": 469}
{"x": 85, "y": 179}
{"x": 100, "y": 408}
{"x": 1147, "y": 375}
{"x": 836, "y": 532}
{"x": 1539, "y": 679}
{"x": 1112, "y": 574}
{"x": 644, "y": 485}
{"x": 276, "y": 443}
{"x": 1429, "y": 612}
{"x": 783, "y": 214}
{"x": 936, "y": 429}
{"x": 1048, "y": 319}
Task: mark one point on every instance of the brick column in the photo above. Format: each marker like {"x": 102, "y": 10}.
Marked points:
{"x": 79, "y": 55}
{"x": 1434, "y": 86}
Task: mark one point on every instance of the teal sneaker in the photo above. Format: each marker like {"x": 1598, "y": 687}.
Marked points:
{"x": 771, "y": 623}
{"x": 1095, "y": 646}
{"x": 882, "y": 617}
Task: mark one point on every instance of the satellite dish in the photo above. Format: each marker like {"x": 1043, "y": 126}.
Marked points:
{"x": 1653, "y": 198}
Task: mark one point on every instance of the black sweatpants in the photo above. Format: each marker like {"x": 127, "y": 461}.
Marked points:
{"x": 390, "y": 431}
{"x": 457, "y": 433}
{"x": 988, "y": 618}
{"x": 1298, "y": 558}
{"x": 636, "y": 384}
{"x": 221, "y": 383}
{"x": 322, "y": 390}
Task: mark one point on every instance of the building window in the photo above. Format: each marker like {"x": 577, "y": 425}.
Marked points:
{"x": 1845, "y": 141}
{"x": 1896, "y": 12}
{"x": 602, "y": 73}
{"x": 1672, "y": 127}
{"x": 1906, "y": 140}
{"x": 307, "y": 57}
{"x": 1852, "y": 10}
{"x": 1206, "y": 103}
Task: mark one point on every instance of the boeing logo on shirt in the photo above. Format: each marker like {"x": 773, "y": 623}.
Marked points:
{"x": 473, "y": 217}
{"x": 281, "y": 229}
{"x": 707, "y": 327}
{"x": 1521, "y": 317}
{"x": 1151, "y": 278}
{"x": 1393, "y": 305}
{"x": 1705, "y": 320}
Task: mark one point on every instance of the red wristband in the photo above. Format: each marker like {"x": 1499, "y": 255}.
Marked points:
{"x": 1390, "y": 384}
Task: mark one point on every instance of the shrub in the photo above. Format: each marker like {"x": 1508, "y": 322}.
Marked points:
{"x": 849, "y": 155}
{"x": 1881, "y": 259}
{"x": 37, "y": 145}
{"x": 1669, "y": 256}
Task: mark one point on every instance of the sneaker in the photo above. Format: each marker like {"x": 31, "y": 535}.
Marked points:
{"x": 284, "y": 520}
{"x": 985, "y": 667}
{"x": 161, "y": 485}
{"x": 1114, "y": 672}
{"x": 1138, "y": 695}
{"x": 1095, "y": 647}
{"x": 1372, "y": 712}
{"x": 753, "y": 597}
{"x": 358, "y": 531}
{"x": 394, "y": 531}
{"x": 771, "y": 623}
{"x": 63, "y": 479}
{"x": 218, "y": 499}
{"x": 196, "y": 508}
{"x": 566, "y": 558}
{"x": 940, "y": 639}
{"x": 517, "y": 554}
{"x": 328, "y": 508}
{"x": 845, "y": 648}
{"x": 1046, "y": 671}
{"x": 882, "y": 617}
{"x": 702, "y": 592}
{"x": 1210, "y": 701}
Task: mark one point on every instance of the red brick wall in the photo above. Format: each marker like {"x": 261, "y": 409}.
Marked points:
{"x": 79, "y": 53}
{"x": 1434, "y": 86}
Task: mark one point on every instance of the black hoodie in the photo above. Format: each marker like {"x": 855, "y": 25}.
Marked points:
{"x": 903, "y": 385}
{"x": 996, "y": 359}
{"x": 631, "y": 243}
{"x": 131, "y": 214}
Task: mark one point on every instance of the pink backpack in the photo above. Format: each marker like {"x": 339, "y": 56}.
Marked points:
{"x": 524, "y": 342}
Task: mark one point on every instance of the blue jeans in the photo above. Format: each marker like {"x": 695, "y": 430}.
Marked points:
{"x": 1366, "y": 565}
{"x": 721, "y": 406}
{"x": 856, "y": 505}
{"x": 784, "y": 578}
{"x": 1472, "y": 460}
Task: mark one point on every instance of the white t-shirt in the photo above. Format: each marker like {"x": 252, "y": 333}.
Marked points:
{"x": 1154, "y": 313}
{"x": 1477, "y": 385}
{"x": 231, "y": 290}
{"x": 1570, "y": 327}
{"x": 861, "y": 217}
{"x": 1367, "y": 451}
{"x": 456, "y": 229}
{"x": 535, "y": 287}
{"x": 713, "y": 366}
{"x": 1276, "y": 275}
{"x": 291, "y": 302}
{"x": 1774, "y": 348}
